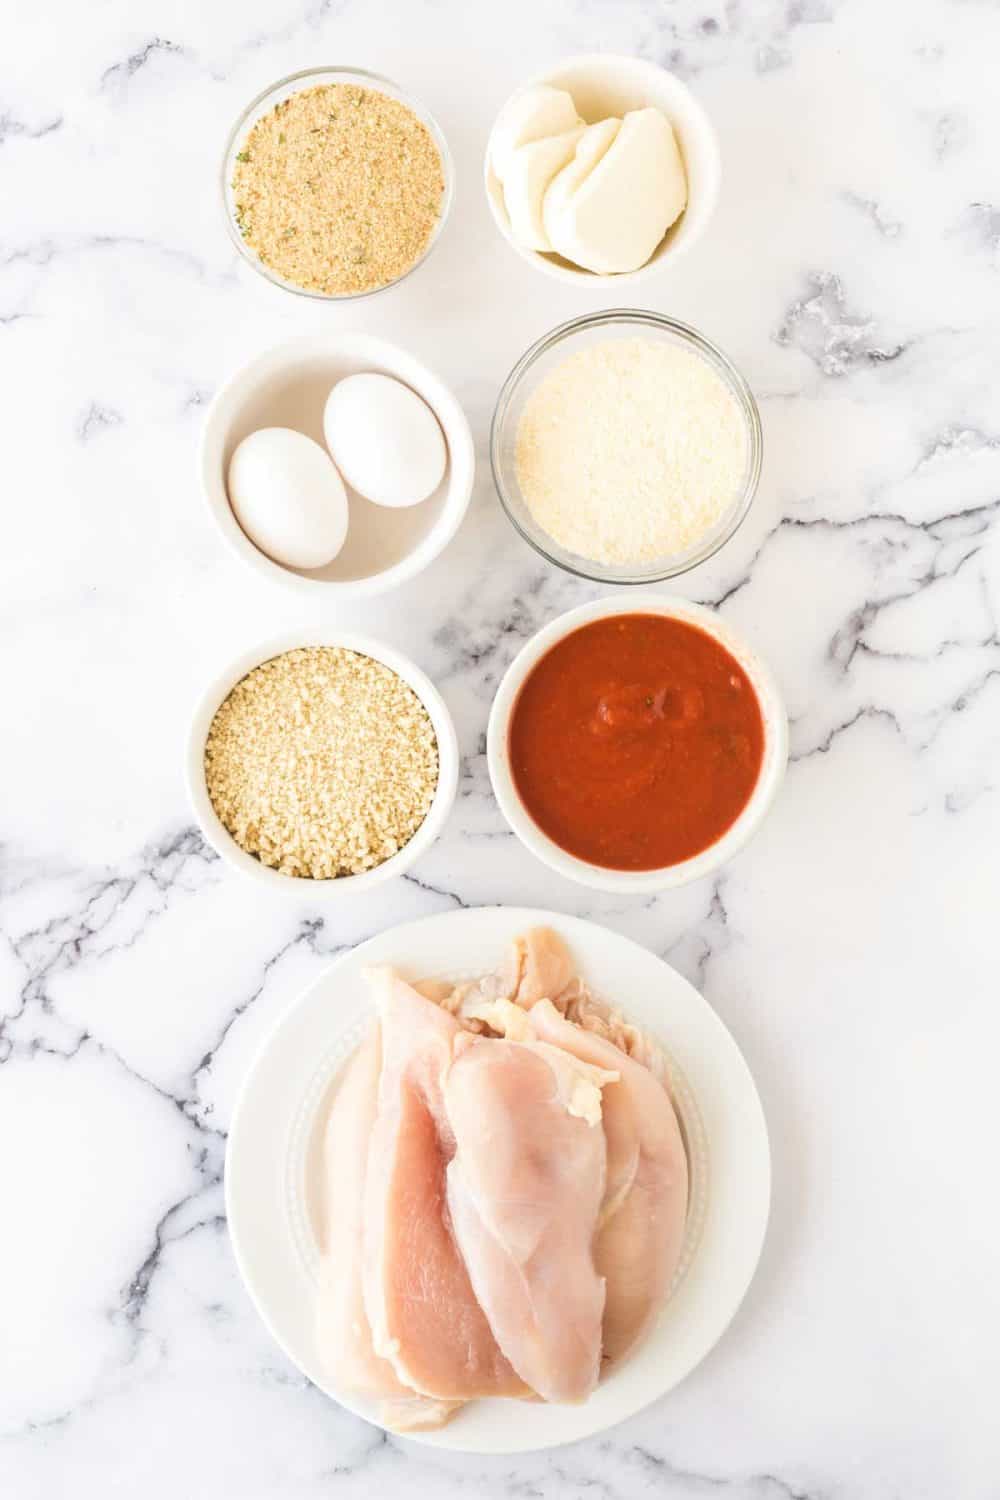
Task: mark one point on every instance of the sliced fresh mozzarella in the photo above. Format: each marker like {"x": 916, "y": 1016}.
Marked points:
{"x": 609, "y": 214}
{"x": 532, "y": 168}
{"x": 592, "y": 146}
{"x": 529, "y": 116}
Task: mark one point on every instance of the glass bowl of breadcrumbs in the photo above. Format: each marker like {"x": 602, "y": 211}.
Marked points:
{"x": 336, "y": 183}
{"x": 321, "y": 764}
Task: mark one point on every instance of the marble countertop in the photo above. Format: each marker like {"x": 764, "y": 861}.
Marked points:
{"x": 853, "y": 273}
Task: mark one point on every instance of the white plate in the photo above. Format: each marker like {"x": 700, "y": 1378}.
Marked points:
{"x": 274, "y": 1129}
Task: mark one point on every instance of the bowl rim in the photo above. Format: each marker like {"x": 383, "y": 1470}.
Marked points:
{"x": 219, "y": 688}
{"x": 706, "y": 348}
{"x": 637, "y": 882}
{"x": 460, "y": 479}
{"x": 366, "y": 78}
{"x": 578, "y": 275}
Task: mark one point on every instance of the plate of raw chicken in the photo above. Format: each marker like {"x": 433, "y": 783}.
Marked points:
{"x": 497, "y": 1180}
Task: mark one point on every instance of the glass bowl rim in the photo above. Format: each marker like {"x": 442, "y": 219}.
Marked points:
{"x": 365, "y": 76}
{"x": 737, "y": 383}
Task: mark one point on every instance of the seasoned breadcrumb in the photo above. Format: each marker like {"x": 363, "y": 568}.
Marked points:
{"x": 338, "y": 189}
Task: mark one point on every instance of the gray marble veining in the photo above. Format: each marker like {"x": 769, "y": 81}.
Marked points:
{"x": 852, "y": 274}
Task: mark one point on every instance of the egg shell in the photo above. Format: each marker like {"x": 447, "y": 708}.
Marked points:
{"x": 385, "y": 440}
{"x": 288, "y": 497}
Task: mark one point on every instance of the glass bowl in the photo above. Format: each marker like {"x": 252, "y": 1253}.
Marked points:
{"x": 295, "y": 83}
{"x": 543, "y": 357}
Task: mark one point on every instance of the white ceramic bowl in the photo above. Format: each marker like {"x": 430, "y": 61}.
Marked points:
{"x": 604, "y": 84}
{"x": 637, "y": 882}
{"x": 301, "y": 886}
{"x": 287, "y": 387}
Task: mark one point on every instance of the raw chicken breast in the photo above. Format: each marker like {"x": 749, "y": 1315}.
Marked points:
{"x": 524, "y": 1191}
{"x": 578, "y": 1005}
{"x": 343, "y": 1331}
{"x": 537, "y": 966}
{"x": 424, "y": 1316}
{"x": 508, "y": 1191}
{"x": 643, "y": 1214}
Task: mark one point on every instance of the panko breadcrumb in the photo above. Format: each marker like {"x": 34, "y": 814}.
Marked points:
{"x": 338, "y": 189}
{"x": 322, "y": 762}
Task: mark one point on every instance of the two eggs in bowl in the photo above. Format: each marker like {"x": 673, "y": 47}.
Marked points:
{"x": 288, "y": 492}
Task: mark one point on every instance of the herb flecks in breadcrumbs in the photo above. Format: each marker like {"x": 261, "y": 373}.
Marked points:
{"x": 342, "y": 188}
{"x": 322, "y": 762}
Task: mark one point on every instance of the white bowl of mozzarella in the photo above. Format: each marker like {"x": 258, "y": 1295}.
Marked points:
{"x": 602, "y": 88}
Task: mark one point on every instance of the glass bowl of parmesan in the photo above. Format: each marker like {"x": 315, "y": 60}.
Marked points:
{"x": 626, "y": 447}
{"x": 336, "y": 183}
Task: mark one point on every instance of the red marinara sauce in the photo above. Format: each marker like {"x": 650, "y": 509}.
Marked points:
{"x": 636, "y": 741}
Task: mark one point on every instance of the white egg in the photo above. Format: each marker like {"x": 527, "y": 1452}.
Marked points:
{"x": 288, "y": 497}
{"x": 385, "y": 440}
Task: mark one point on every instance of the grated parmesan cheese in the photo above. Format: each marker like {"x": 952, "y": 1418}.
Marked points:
{"x": 630, "y": 451}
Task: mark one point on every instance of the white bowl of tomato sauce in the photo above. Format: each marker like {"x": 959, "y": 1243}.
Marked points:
{"x": 636, "y": 745}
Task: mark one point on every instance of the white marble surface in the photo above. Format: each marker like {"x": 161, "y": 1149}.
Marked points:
{"x": 852, "y": 272}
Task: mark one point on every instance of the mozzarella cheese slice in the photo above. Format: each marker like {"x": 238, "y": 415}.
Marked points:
{"x": 531, "y": 169}
{"x": 609, "y": 208}
{"x": 530, "y": 116}
{"x": 594, "y": 144}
